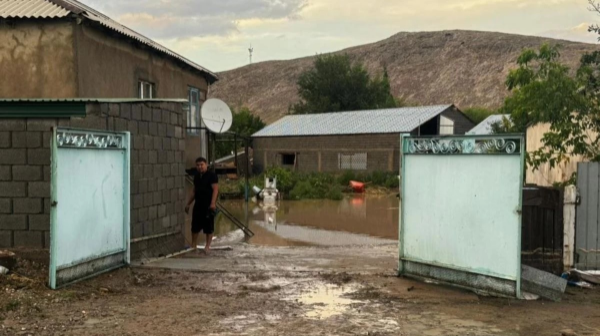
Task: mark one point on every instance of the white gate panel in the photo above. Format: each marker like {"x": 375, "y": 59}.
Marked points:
{"x": 461, "y": 203}
{"x": 90, "y": 213}
{"x": 90, "y": 190}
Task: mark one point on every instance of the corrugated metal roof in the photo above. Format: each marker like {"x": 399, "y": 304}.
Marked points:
{"x": 396, "y": 120}
{"x": 38, "y": 9}
{"x": 62, "y": 8}
{"x": 485, "y": 127}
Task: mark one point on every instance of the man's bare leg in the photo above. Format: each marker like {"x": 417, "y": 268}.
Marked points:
{"x": 194, "y": 241}
{"x": 208, "y": 241}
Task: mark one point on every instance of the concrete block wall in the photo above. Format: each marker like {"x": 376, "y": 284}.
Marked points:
{"x": 320, "y": 153}
{"x": 25, "y": 182}
{"x": 157, "y": 174}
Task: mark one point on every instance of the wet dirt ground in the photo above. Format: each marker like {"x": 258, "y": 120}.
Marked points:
{"x": 253, "y": 290}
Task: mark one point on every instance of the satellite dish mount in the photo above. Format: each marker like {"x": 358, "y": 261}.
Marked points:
{"x": 217, "y": 118}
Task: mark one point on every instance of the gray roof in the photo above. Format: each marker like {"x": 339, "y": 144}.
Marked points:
{"x": 485, "y": 127}
{"x": 395, "y": 120}
{"x": 31, "y": 9}
{"x": 45, "y": 9}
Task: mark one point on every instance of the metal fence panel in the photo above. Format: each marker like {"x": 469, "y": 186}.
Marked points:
{"x": 587, "y": 224}
{"x": 542, "y": 229}
{"x": 90, "y": 215}
{"x": 460, "y": 217}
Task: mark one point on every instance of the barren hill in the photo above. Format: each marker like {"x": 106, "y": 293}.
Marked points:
{"x": 467, "y": 68}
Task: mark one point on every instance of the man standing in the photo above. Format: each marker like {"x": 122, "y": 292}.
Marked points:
{"x": 206, "y": 189}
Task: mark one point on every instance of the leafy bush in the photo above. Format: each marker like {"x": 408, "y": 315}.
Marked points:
{"x": 392, "y": 182}
{"x": 314, "y": 187}
{"x": 303, "y": 190}
{"x": 347, "y": 176}
{"x": 378, "y": 178}
{"x": 320, "y": 185}
{"x": 286, "y": 179}
{"x": 334, "y": 193}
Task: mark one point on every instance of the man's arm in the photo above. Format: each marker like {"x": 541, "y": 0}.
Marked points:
{"x": 190, "y": 199}
{"x": 215, "y": 194}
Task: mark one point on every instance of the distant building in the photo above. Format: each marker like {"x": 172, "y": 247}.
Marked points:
{"x": 545, "y": 175}
{"x": 65, "y": 49}
{"x": 361, "y": 140}
{"x": 485, "y": 127}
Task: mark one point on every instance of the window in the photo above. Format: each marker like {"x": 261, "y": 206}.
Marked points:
{"x": 446, "y": 126}
{"x": 195, "y": 97}
{"x": 145, "y": 90}
{"x": 193, "y": 116}
{"x": 356, "y": 161}
{"x": 288, "y": 159}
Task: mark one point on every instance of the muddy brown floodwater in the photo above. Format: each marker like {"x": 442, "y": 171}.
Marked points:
{"x": 355, "y": 220}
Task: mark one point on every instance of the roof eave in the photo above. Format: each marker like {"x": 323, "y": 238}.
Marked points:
{"x": 209, "y": 75}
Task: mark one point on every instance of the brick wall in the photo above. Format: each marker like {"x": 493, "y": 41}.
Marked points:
{"x": 320, "y": 153}
{"x": 157, "y": 174}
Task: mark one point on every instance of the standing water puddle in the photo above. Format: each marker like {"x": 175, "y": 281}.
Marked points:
{"x": 357, "y": 220}
{"x": 326, "y": 300}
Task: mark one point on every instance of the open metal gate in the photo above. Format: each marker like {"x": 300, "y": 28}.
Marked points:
{"x": 461, "y": 211}
{"x": 89, "y": 225}
{"x": 587, "y": 227}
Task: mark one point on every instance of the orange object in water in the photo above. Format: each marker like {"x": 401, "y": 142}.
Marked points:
{"x": 357, "y": 186}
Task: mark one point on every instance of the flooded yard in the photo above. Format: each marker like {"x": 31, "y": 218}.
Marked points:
{"x": 275, "y": 290}
{"x": 312, "y": 268}
{"x": 354, "y": 220}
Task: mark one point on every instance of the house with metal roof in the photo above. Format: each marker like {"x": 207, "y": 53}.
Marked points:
{"x": 57, "y": 49}
{"x": 360, "y": 140}
{"x": 66, "y": 49}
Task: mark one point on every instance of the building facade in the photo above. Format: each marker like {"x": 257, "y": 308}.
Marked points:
{"x": 361, "y": 141}
{"x": 65, "y": 49}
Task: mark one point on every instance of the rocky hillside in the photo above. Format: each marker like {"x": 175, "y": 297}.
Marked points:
{"x": 467, "y": 68}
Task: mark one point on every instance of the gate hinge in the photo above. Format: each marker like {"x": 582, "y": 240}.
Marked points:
{"x": 54, "y": 204}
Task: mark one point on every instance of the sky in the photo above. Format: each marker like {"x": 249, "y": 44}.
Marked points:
{"x": 217, "y": 33}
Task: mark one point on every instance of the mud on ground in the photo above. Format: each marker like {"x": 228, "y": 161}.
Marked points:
{"x": 343, "y": 301}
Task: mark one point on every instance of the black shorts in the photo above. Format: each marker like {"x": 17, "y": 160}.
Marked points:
{"x": 203, "y": 220}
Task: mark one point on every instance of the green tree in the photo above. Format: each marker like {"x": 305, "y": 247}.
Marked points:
{"x": 502, "y": 126}
{"x": 244, "y": 124}
{"x": 335, "y": 84}
{"x": 544, "y": 91}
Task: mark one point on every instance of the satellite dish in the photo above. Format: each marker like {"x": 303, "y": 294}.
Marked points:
{"x": 216, "y": 115}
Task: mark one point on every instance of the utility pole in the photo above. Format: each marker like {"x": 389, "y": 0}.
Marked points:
{"x": 250, "y": 51}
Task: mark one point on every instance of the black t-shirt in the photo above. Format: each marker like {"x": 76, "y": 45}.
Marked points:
{"x": 203, "y": 186}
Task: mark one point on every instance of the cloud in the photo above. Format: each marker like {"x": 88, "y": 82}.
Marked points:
{"x": 578, "y": 33}
{"x": 166, "y": 19}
